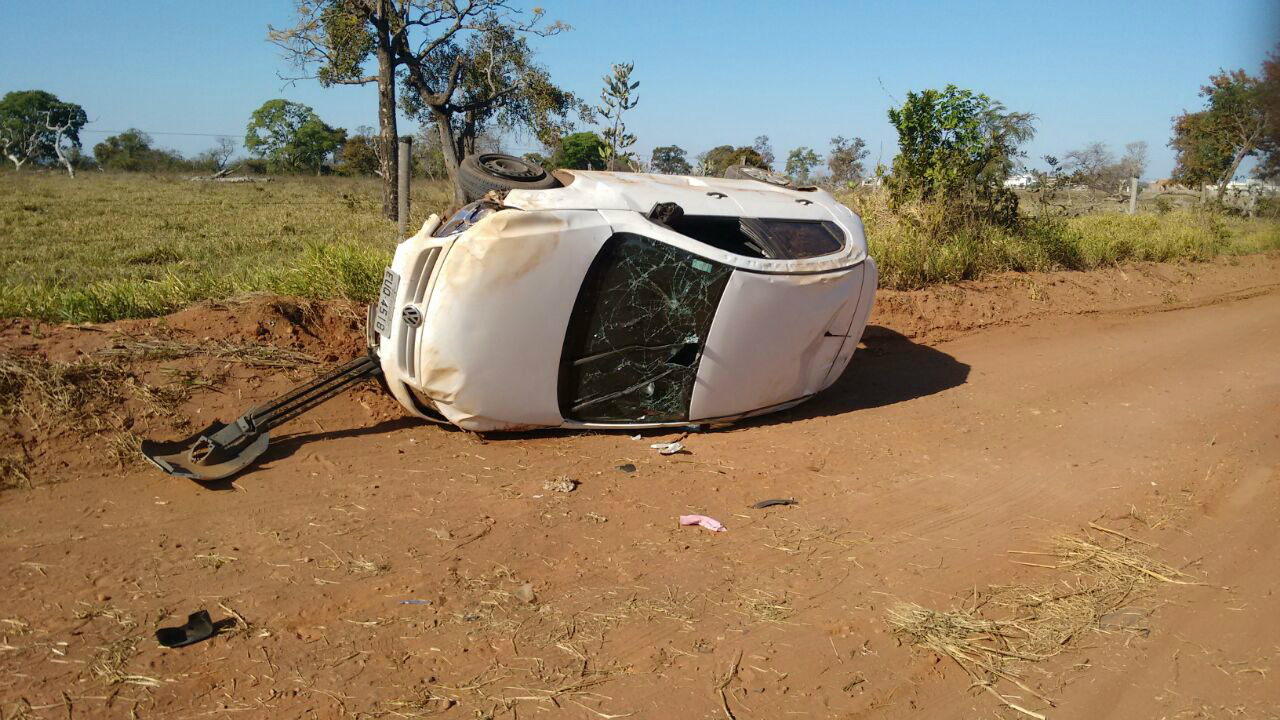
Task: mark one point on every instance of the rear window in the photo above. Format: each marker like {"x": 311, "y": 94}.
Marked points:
{"x": 762, "y": 237}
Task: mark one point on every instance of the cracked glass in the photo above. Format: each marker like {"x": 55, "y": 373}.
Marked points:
{"x": 634, "y": 341}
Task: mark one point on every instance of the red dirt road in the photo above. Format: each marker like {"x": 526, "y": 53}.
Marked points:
{"x": 915, "y": 476}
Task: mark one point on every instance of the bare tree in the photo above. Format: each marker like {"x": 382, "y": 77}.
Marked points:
{"x": 19, "y": 147}
{"x": 61, "y": 128}
{"x": 1134, "y": 162}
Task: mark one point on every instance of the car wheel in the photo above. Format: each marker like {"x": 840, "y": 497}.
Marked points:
{"x": 746, "y": 172}
{"x": 483, "y": 172}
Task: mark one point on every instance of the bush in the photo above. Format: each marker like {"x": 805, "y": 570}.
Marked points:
{"x": 918, "y": 243}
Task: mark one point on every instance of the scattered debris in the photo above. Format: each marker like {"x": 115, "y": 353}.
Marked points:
{"x": 707, "y": 522}
{"x": 415, "y": 602}
{"x": 627, "y": 468}
{"x": 774, "y": 501}
{"x": 561, "y": 484}
{"x": 198, "y": 627}
{"x": 525, "y": 594}
{"x": 668, "y": 448}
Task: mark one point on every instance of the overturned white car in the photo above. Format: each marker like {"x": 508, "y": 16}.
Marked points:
{"x": 597, "y": 300}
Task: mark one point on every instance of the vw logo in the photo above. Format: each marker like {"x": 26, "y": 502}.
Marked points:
{"x": 411, "y": 315}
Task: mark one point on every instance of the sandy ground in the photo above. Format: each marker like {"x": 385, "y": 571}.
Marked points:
{"x": 978, "y": 419}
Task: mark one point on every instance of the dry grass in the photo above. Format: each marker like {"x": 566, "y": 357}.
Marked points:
{"x": 921, "y": 243}
{"x": 13, "y": 473}
{"x": 1004, "y": 629}
{"x": 110, "y": 664}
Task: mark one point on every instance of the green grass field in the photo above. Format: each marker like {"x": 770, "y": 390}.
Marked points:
{"x": 104, "y": 247}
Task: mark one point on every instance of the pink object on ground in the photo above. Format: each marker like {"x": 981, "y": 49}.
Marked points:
{"x": 706, "y": 522}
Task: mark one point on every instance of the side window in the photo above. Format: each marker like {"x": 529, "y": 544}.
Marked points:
{"x": 634, "y": 341}
{"x": 762, "y": 237}
{"x": 796, "y": 239}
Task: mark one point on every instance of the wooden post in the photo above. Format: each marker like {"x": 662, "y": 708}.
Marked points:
{"x": 404, "y": 172}
{"x": 1133, "y": 195}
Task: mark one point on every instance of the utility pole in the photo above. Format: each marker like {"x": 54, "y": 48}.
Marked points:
{"x": 404, "y": 171}
{"x": 1133, "y": 195}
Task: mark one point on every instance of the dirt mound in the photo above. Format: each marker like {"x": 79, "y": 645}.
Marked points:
{"x": 81, "y": 397}
{"x": 948, "y": 311}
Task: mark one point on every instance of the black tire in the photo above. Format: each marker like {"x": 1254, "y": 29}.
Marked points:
{"x": 483, "y": 172}
{"x": 746, "y": 172}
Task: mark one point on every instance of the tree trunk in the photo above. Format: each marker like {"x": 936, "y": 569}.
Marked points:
{"x": 449, "y": 149}
{"x": 1235, "y": 165}
{"x": 388, "y": 135}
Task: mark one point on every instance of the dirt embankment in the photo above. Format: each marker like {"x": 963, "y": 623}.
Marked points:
{"x": 1033, "y": 495}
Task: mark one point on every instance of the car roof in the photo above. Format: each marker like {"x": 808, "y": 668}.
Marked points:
{"x": 598, "y": 190}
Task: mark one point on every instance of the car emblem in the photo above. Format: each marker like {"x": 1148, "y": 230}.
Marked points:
{"x": 411, "y": 315}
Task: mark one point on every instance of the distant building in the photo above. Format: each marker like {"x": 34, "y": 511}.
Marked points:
{"x": 1022, "y": 180}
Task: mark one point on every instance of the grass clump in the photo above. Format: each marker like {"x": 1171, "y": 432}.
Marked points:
{"x": 1004, "y": 629}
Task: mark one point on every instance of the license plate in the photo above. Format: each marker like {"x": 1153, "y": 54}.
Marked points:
{"x": 386, "y": 302}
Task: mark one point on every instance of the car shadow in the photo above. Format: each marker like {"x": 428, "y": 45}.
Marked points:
{"x": 889, "y": 369}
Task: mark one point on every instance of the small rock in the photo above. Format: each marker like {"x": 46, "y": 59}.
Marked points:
{"x": 525, "y": 593}
{"x": 627, "y": 468}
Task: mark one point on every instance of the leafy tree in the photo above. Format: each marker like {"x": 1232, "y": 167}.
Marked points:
{"x": 1211, "y": 144}
{"x": 33, "y": 126}
{"x": 337, "y": 37}
{"x": 359, "y": 154}
{"x": 958, "y": 146}
{"x": 718, "y": 159}
{"x": 616, "y": 98}
{"x": 845, "y": 160}
{"x": 953, "y": 140}
{"x": 290, "y": 136}
{"x": 670, "y": 160}
{"x": 579, "y": 151}
{"x": 428, "y": 158}
{"x": 132, "y": 151}
{"x": 465, "y": 67}
{"x": 801, "y": 161}
{"x": 1268, "y": 167}
{"x": 764, "y": 149}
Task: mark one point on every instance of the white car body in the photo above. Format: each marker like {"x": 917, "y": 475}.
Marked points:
{"x": 478, "y": 329}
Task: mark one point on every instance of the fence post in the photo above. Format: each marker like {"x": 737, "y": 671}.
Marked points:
{"x": 405, "y": 171}
{"x": 1133, "y": 195}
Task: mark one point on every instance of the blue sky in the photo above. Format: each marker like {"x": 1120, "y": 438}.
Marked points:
{"x": 711, "y": 71}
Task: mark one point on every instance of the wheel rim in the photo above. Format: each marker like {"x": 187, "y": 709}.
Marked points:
{"x": 510, "y": 168}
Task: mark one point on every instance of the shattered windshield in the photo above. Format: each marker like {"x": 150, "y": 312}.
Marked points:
{"x": 636, "y": 335}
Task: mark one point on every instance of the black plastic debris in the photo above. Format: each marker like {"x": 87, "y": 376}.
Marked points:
{"x": 199, "y": 627}
{"x": 774, "y": 501}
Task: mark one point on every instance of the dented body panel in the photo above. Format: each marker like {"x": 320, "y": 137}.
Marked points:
{"x": 528, "y": 317}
